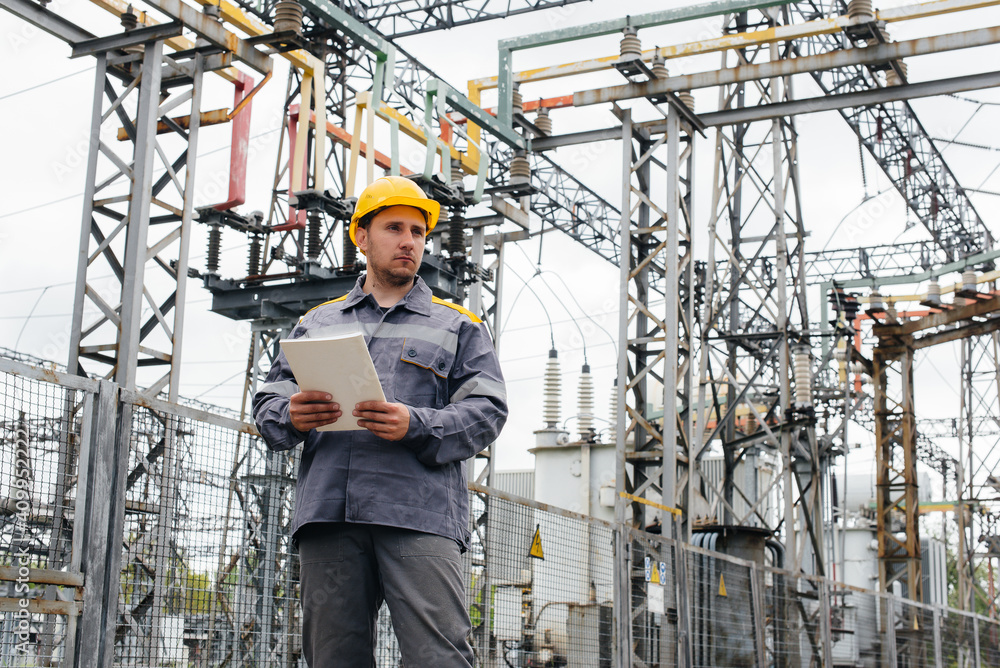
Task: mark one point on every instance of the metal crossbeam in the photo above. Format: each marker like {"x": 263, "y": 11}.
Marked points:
{"x": 900, "y": 145}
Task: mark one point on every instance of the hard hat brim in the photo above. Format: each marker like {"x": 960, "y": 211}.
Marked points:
{"x": 428, "y": 207}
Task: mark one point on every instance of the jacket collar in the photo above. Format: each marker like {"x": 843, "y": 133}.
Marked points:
{"x": 418, "y": 299}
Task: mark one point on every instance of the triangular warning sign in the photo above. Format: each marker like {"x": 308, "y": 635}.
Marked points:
{"x": 722, "y": 586}
{"x": 536, "y": 545}
{"x": 656, "y": 577}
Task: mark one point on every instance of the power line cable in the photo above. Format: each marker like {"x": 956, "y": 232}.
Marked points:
{"x": 46, "y": 83}
{"x": 57, "y": 201}
{"x": 587, "y": 315}
{"x": 241, "y": 372}
{"x": 614, "y": 341}
{"x": 538, "y": 272}
{"x": 35, "y": 207}
{"x": 552, "y": 334}
{"x": 40, "y": 287}
{"x": 26, "y": 320}
{"x": 964, "y": 98}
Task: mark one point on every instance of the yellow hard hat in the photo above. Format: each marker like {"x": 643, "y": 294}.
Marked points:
{"x": 393, "y": 191}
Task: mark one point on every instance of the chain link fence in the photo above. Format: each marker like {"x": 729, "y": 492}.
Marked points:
{"x": 179, "y": 518}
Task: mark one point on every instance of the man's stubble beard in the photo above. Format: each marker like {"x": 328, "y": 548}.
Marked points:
{"x": 389, "y": 278}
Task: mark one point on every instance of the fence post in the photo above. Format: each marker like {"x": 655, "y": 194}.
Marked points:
{"x": 685, "y": 650}
{"x": 102, "y": 526}
{"x": 759, "y": 613}
{"x": 825, "y": 632}
{"x": 623, "y": 597}
{"x": 975, "y": 635}
{"x": 938, "y": 661}
{"x": 889, "y": 621}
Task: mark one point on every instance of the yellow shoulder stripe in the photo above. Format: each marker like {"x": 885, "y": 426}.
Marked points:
{"x": 332, "y": 301}
{"x": 461, "y": 309}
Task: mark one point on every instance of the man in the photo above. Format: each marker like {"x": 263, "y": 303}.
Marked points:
{"x": 382, "y": 513}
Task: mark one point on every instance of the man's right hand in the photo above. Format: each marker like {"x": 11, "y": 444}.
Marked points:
{"x": 309, "y": 410}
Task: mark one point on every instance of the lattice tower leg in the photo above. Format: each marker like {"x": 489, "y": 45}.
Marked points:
{"x": 121, "y": 197}
{"x": 655, "y": 341}
{"x": 980, "y": 462}
{"x": 754, "y": 304}
{"x": 896, "y": 489}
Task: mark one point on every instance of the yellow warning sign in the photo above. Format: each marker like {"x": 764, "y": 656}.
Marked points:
{"x": 655, "y": 579}
{"x": 722, "y": 586}
{"x": 536, "y": 545}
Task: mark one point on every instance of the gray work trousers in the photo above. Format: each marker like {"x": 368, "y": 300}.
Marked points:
{"x": 347, "y": 570}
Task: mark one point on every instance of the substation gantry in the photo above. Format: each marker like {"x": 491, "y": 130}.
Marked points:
{"x": 723, "y": 329}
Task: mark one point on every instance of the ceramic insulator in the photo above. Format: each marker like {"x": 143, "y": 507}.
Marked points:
{"x": 253, "y": 262}
{"x": 892, "y": 79}
{"x": 350, "y": 250}
{"x": 214, "y": 249}
{"x": 552, "y": 390}
{"x": 314, "y": 234}
{"x": 543, "y": 121}
{"x": 631, "y": 47}
{"x": 520, "y": 169}
{"x": 585, "y": 403}
{"x": 969, "y": 279}
{"x": 659, "y": 68}
{"x": 288, "y": 16}
{"x": 861, "y": 10}
{"x": 613, "y": 406}
{"x": 875, "y": 300}
{"x": 934, "y": 292}
{"x": 803, "y": 378}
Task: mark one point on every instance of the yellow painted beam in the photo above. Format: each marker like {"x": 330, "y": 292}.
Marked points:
{"x": 234, "y": 15}
{"x": 231, "y": 14}
{"x": 986, "y": 277}
{"x": 742, "y": 40}
{"x": 119, "y": 7}
{"x": 214, "y": 117}
{"x": 414, "y": 131}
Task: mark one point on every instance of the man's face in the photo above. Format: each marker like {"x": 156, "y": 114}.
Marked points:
{"x": 394, "y": 244}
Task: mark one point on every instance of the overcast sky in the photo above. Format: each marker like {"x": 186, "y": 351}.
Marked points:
{"x": 45, "y": 99}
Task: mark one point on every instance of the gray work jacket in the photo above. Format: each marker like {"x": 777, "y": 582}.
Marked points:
{"x": 432, "y": 356}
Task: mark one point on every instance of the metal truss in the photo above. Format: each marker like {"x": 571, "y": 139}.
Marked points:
{"x": 413, "y": 17}
{"x": 656, "y": 346}
{"x": 895, "y": 138}
{"x": 754, "y": 319}
{"x": 979, "y": 444}
{"x": 896, "y": 489}
{"x": 872, "y": 262}
{"x": 137, "y": 216}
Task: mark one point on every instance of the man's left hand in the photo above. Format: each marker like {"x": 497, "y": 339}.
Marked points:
{"x": 385, "y": 420}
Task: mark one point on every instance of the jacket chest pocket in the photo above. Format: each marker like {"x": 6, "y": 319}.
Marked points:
{"x": 423, "y": 375}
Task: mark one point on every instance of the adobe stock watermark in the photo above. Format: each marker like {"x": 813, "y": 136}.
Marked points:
{"x": 26, "y": 32}
{"x": 21, "y": 540}
{"x": 859, "y": 222}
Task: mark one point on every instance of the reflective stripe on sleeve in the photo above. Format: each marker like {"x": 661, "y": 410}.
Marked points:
{"x": 284, "y": 388}
{"x": 480, "y": 387}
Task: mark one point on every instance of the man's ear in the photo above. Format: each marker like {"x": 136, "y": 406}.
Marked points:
{"x": 361, "y": 236}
